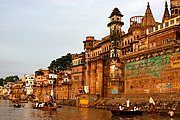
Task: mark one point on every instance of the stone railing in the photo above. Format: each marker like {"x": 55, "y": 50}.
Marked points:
{"x": 171, "y": 22}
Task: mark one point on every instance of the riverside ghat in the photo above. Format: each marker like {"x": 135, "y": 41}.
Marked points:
{"x": 142, "y": 66}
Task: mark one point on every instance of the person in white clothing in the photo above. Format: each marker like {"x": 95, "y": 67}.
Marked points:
{"x": 121, "y": 108}
{"x": 128, "y": 103}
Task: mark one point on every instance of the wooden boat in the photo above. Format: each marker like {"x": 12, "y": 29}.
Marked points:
{"x": 125, "y": 112}
{"x": 46, "y": 108}
{"x": 49, "y": 108}
{"x": 59, "y": 106}
{"x": 17, "y": 105}
{"x": 52, "y": 107}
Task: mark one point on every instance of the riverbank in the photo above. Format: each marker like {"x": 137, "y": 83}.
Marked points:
{"x": 163, "y": 103}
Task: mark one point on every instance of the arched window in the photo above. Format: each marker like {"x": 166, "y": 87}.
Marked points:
{"x": 122, "y": 43}
{"x": 125, "y": 43}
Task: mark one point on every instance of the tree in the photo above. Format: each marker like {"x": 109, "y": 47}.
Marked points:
{"x": 1, "y": 81}
{"x": 12, "y": 78}
{"x": 62, "y": 63}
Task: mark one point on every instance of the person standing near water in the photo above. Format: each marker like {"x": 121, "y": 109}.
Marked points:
{"x": 128, "y": 103}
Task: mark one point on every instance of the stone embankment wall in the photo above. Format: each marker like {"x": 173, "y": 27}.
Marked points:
{"x": 164, "y": 102}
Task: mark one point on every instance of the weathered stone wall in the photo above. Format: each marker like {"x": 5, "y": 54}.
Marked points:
{"x": 159, "y": 74}
{"x": 77, "y": 79}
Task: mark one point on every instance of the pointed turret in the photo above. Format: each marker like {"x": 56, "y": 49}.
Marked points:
{"x": 116, "y": 12}
{"x": 115, "y": 23}
{"x": 166, "y": 15}
{"x": 115, "y": 26}
{"x": 148, "y": 19}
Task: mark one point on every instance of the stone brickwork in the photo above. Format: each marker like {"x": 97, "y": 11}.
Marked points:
{"x": 153, "y": 75}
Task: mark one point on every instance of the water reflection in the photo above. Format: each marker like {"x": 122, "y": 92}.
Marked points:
{"x": 144, "y": 117}
{"x": 7, "y": 112}
{"x": 124, "y": 117}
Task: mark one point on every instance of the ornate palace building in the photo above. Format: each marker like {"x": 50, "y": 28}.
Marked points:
{"x": 144, "y": 60}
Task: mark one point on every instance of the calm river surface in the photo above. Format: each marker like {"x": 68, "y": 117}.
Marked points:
{"x": 7, "y": 112}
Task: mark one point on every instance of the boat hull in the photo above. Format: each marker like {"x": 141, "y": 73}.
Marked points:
{"x": 125, "y": 112}
{"x": 17, "y": 106}
{"x": 46, "y": 108}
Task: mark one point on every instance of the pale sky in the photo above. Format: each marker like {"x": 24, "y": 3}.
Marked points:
{"x": 35, "y": 32}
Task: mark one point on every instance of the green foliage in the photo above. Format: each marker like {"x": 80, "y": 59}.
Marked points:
{"x": 1, "y": 81}
{"x": 12, "y": 78}
{"x": 62, "y": 63}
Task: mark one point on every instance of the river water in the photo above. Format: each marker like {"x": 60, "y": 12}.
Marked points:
{"x": 8, "y": 112}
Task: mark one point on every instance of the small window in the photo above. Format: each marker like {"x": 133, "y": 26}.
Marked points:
{"x": 125, "y": 43}
{"x": 137, "y": 36}
{"x": 178, "y": 19}
{"x": 122, "y": 43}
{"x": 176, "y": 11}
{"x": 166, "y": 24}
{"x": 161, "y": 26}
{"x": 156, "y": 27}
{"x": 172, "y": 22}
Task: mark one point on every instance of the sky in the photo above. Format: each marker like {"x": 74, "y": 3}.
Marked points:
{"x": 35, "y": 32}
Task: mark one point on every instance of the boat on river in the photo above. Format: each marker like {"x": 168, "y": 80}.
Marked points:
{"x": 45, "y": 106}
{"x": 125, "y": 112}
{"x": 16, "y": 105}
{"x": 60, "y": 106}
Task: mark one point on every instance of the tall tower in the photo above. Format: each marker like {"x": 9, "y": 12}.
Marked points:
{"x": 115, "y": 26}
{"x": 175, "y": 8}
{"x": 115, "y": 87}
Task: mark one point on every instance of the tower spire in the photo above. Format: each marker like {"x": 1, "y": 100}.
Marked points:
{"x": 166, "y": 15}
{"x": 148, "y": 19}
